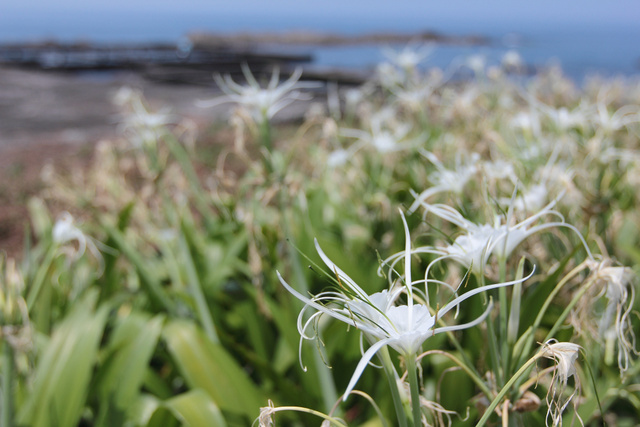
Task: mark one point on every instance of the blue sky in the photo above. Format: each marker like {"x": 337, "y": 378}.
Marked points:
{"x": 627, "y": 11}
{"x": 125, "y": 18}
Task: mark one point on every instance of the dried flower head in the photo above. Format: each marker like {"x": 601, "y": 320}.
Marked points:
{"x": 15, "y": 327}
{"x": 266, "y": 415}
{"x": 616, "y": 286}
{"x": 565, "y": 354}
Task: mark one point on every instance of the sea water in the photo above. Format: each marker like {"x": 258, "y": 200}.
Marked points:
{"x": 605, "y": 48}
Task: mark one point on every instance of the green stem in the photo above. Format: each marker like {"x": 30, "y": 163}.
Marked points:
{"x": 392, "y": 377}
{"x": 472, "y": 374}
{"x": 40, "y": 276}
{"x": 545, "y": 306}
{"x": 412, "y": 373}
{"x": 568, "y": 309}
{"x": 265, "y": 134}
{"x": 266, "y": 146}
{"x": 7, "y": 386}
{"x": 504, "y": 319}
{"x": 331, "y": 420}
{"x": 496, "y": 401}
{"x": 494, "y": 350}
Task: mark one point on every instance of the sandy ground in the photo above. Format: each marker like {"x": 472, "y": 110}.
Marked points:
{"x": 48, "y": 117}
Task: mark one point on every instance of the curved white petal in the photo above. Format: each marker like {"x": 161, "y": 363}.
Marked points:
{"x": 364, "y": 361}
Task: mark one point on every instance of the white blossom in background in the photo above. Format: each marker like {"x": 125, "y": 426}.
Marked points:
{"x": 126, "y": 96}
{"x": 143, "y": 125}
{"x": 610, "y": 122}
{"x": 465, "y": 102}
{"x": 498, "y": 170}
{"x": 512, "y": 60}
{"x": 389, "y": 76}
{"x": 66, "y": 231}
{"x": 385, "y": 134}
{"x": 530, "y": 200}
{"x": 338, "y": 158}
{"x": 477, "y": 63}
{"x": 527, "y": 121}
{"x": 417, "y": 93}
{"x": 446, "y": 180}
{"x": 409, "y": 57}
{"x": 261, "y": 103}
{"x": 478, "y": 242}
{"x": 565, "y": 119}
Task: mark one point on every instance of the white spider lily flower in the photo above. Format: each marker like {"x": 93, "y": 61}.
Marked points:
{"x": 615, "y": 324}
{"x": 611, "y": 122}
{"x": 625, "y": 156}
{"x": 511, "y": 60}
{"x": 565, "y": 355}
{"x": 472, "y": 250}
{"x": 145, "y": 119}
{"x": 533, "y": 199}
{"x": 384, "y": 135}
{"x": 446, "y": 179}
{"x": 498, "y": 170}
{"x": 480, "y": 241}
{"x": 262, "y": 103}
{"x": 145, "y": 126}
{"x": 409, "y": 57}
{"x": 382, "y": 319}
{"x": 65, "y": 231}
{"x": 565, "y": 119}
{"x": 388, "y": 75}
{"x": 526, "y": 121}
{"x": 126, "y": 96}
{"x": 416, "y": 93}
{"x": 338, "y": 158}
{"x": 477, "y": 63}
{"x": 562, "y": 118}
{"x": 354, "y": 96}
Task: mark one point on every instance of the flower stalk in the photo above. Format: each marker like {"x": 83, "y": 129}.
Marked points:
{"x": 412, "y": 373}
{"x": 392, "y": 377}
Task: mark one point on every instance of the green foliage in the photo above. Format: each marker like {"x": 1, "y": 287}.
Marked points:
{"x": 178, "y": 316}
{"x": 207, "y": 366}
{"x": 65, "y": 369}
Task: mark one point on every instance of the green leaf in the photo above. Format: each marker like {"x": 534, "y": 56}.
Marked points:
{"x": 65, "y": 368}
{"x": 148, "y": 278}
{"x": 130, "y": 348}
{"x": 208, "y": 366}
{"x": 196, "y": 409}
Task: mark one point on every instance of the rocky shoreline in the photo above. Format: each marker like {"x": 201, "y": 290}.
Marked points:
{"x": 60, "y": 91}
{"x": 203, "y": 53}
